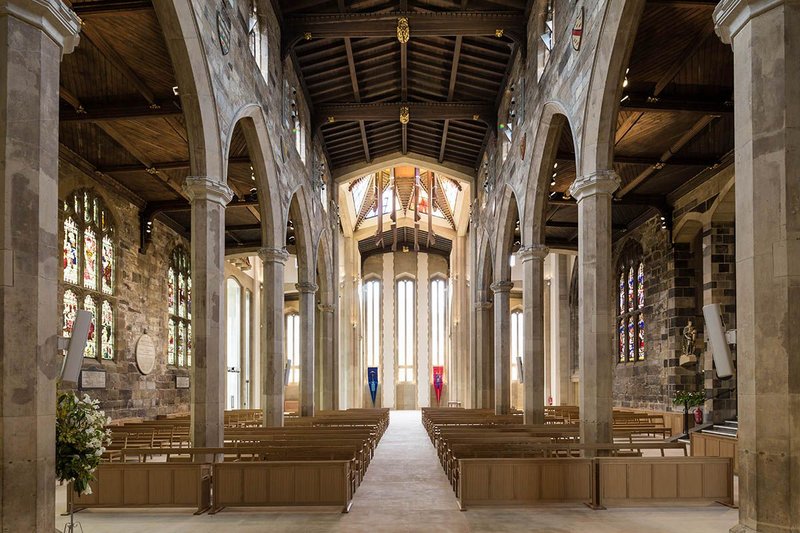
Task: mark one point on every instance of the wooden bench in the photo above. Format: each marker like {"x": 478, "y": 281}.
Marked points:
{"x": 133, "y": 485}
{"x": 282, "y": 483}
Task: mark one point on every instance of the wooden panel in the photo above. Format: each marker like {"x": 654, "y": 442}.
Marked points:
{"x": 615, "y": 481}
{"x": 664, "y": 480}
{"x": 159, "y": 486}
{"x": 185, "y": 487}
{"x": 284, "y": 483}
{"x": 255, "y": 485}
{"x": 281, "y": 485}
{"x": 135, "y": 482}
{"x": 113, "y": 487}
{"x": 524, "y": 481}
{"x": 640, "y": 481}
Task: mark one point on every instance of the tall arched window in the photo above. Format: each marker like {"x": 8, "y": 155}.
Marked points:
{"x": 630, "y": 305}
{"x": 298, "y": 129}
{"x": 293, "y": 346}
{"x": 233, "y": 305}
{"x": 517, "y": 343}
{"x": 254, "y": 37}
{"x": 546, "y": 37}
{"x": 179, "y": 300}
{"x": 439, "y": 313}
{"x": 405, "y": 330}
{"x": 89, "y": 270}
{"x": 372, "y": 322}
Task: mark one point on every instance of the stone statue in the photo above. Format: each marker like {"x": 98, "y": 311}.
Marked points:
{"x": 689, "y": 338}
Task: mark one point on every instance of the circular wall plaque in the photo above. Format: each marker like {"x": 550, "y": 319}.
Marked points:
{"x": 145, "y": 354}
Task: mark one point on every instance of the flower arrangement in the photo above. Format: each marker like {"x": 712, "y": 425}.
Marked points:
{"x": 689, "y": 399}
{"x": 81, "y": 439}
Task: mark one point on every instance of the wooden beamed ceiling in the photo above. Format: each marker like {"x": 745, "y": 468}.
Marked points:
{"x": 675, "y": 122}
{"x": 358, "y": 74}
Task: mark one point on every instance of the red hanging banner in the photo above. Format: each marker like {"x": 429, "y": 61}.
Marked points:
{"x": 438, "y": 381}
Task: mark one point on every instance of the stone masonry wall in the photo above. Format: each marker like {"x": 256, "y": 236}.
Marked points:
{"x": 139, "y": 305}
{"x": 671, "y": 292}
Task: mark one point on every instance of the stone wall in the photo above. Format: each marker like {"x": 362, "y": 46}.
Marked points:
{"x": 139, "y": 305}
{"x": 671, "y": 293}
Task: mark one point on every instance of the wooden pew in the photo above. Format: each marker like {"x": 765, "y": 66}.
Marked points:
{"x": 132, "y": 485}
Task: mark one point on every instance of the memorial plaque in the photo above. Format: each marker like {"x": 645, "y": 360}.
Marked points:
{"x": 181, "y": 382}
{"x": 93, "y": 379}
{"x": 145, "y": 354}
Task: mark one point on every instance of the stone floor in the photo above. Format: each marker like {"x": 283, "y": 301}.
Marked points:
{"x": 405, "y": 490}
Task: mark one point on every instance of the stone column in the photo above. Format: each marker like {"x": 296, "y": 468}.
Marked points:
{"x": 559, "y": 317}
{"x": 308, "y": 292}
{"x": 502, "y": 346}
{"x": 272, "y": 335}
{"x": 532, "y": 258}
{"x": 208, "y": 197}
{"x": 766, "y": 48}
{"x": 484, "y": 353}
{"x": 386, "y": 379}
{"x": 34, "y": 35}
{"x": 595, "y": 304}
{"x": 423, "y": 319}
{"x": 329, "y": 363}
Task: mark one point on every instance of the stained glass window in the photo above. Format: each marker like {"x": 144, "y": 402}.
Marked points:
{"x": 640, "y": 285}
{"x": 89, "y": 259}
{"x": 630, "y": 290}
{"x": 91, "y": 346}
{"x": 70, "y": 311}
{"x": 181, "y": 344}
{"x": 181, "y": 295}
{"x": 107, "y": 333}
{"x": 171, "y": 343}
{"x": 107, "y": 275}
{"x": 189, "y": 344}
{"x": 71, "y": 251}
{"x": 89, "y": 270}
{"x": 171, "y": 289}
{"x": 631, "y": 327}
{"x": 179, "y": 302}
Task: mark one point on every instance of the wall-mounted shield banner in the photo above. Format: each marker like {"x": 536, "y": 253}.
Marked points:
{"x": 438, "y": 382}
{"x": 577, "y": 30}
{"x": 224, "y": 30}
{"x": 372, "y": 381}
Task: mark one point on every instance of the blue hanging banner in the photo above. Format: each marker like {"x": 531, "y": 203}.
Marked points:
{"x": 372, "y": 380}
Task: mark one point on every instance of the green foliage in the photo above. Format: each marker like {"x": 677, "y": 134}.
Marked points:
{"x": 81, "y": 438}
{"x": 689, "y": 399}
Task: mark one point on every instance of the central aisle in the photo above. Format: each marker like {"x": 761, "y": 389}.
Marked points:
{"x": 405, "y": 490}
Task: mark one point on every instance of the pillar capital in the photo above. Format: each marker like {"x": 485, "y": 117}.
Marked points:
{"x": 502, "y": 286}
{"x": 600, "y": 182}
{"x": 534, "y": 252}
{"x": 273, "y": 255}
{"x": 305, "y": 287}
{"x": 203, "y": 188}
{"x": 53, "y": 17}
{"x": 730, "y": 16}
{"x": 325, "y": 308}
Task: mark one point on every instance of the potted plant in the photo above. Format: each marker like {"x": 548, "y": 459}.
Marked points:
{"x": 81, "y": 439}
{"x": 690, "y": 399}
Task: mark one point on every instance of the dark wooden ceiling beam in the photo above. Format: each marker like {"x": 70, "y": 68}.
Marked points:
{"x": 451, "y": 88}
{"x": 91, "y": 33}
{"x": 477, "y": 111}
{"x": 686, "y": 54}
{"x": 693, "y": 4}
{"x": 687, "y": 161}
{"x": 165, "y": 165}
{"x": 646, "y": 104}
{"x": 110, "y": 113}
{"x": 115, "y": 7}
{"x": 667, "y": 156}
{"x": 509, "y": 24}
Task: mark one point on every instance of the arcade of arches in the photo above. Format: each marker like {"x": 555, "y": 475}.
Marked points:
{"x": 553, "y": 215}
